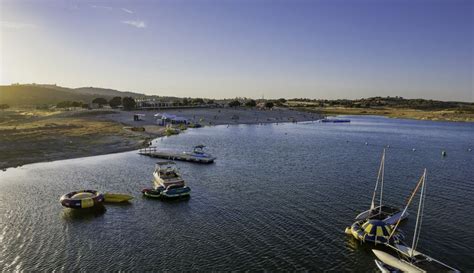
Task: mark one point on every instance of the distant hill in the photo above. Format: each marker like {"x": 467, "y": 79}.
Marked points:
{"x": 32, "y": 94}
{"x": 106, "y": 92}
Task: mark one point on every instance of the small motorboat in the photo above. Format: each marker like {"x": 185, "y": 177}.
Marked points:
{"x": 170, "y": 192}
{"x": 110, "y": 197}
{"x": 82, "y": 199}
{"x": 198, "y": 154}
{"x": 176, "y": 192}
{"x": 153, "y": 193}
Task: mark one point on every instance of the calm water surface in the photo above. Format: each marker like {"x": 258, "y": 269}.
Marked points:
{"x": 278, "y": 197}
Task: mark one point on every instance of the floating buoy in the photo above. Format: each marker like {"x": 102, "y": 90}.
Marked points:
{"x": 413, "y": 149}
{"x": 366, "y": 143}
{"x": 443, "y": 153}
{"x": 388, "y": 146}
{"x": 469, "y": 149}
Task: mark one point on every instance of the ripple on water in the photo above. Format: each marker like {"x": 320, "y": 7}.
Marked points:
{"x": 278, "y": 197}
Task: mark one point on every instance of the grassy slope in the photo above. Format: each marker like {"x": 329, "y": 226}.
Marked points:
{"x": 41, "y": 94}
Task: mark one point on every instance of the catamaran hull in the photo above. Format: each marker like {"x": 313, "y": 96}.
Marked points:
{"x": 392, "y": 261}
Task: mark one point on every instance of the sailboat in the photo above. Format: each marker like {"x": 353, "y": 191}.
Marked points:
{"x": 375, "y": 224}
{"x": 388, "y": 214}
{"x": 408, "y": 259}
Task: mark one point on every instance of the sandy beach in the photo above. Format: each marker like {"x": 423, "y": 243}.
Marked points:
{"x": 29, "y": 136}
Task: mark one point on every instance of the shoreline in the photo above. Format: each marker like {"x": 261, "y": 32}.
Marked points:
{"x": 447, "y": 115}
{"x": 35, "y": 136}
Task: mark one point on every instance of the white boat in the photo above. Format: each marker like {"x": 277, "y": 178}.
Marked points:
{"x": 407, "y": 259}
{"x": 198, "y": 153}
{"x": 166, "y": 174}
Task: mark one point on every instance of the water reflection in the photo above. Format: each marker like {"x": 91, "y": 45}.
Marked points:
{"x": 87, "y": 214}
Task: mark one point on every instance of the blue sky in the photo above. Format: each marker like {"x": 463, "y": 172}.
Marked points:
{"x": 230, "y": 48}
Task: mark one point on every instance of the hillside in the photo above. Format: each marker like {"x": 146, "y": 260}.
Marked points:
{"x": 17, "y": 95}
{"x": 396, "y": 107}
{"x": 103, "y": 92}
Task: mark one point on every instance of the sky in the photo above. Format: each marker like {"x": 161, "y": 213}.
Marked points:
{"x": 244, "y": 48}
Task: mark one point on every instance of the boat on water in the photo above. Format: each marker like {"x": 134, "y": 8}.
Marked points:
{"x": 169, "y": 192}
{"x": 199, "y": 153}
{"x": 110, "y": 197}
{"x": 166, "y": 174}
{"x": 374, "y": 231}
{"x": 383, "y": 216}
{"x": 167, "y": 182}
{"x": 153, "y": 193}
{"x": 408, "y": 259}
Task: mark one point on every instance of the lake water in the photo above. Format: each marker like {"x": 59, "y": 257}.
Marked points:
{"x": 278, "y": 197}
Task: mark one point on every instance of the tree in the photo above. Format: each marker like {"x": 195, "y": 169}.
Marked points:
{"x": 197, "y": 101}
{"x": 128, "y": 103}
{"x": 282, "y": 100}
{"x": 210, "y": 101}
{"x": 185, "y": 101}
{"x": 4, "y": 106}
{"x": 76, "y": 104}
{"x": 64, "y": 104}
{"x": 269, "y": 104}
{"x": 116, "y": 101}
{"x": 234, "y": 103}
{"x": 100, "y": 101}
{"x": 251, "y": 103}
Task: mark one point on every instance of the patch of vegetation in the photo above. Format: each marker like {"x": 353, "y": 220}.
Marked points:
{"x": 128, "y": 103}
{"x": 234, "y": 103}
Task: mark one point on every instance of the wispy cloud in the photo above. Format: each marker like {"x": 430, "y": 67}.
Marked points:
{"x": 101, "y": 7}
{"x": 16, "y": 25}
{"x": 137, "y": 23}
{"x": 127, "y": 10}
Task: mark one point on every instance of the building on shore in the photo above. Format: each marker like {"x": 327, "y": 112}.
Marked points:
{"x": 149, "y": 103}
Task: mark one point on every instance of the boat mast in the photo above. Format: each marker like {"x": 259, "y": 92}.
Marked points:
{"x": 419, "y": 216}
{"x": 372, "y": 205}
{"x": 381, "y": 184}
{"x": 408, "y": 204}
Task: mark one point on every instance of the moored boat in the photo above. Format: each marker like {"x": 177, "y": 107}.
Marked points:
{"x": 176, "y": 192}
{"x": 198, "y": 154}
{"x": 110, "y": 197}
{"x": 408, "y": 259}
{"x": 385, "y": 215}
{"x": 373, "y": 231}
{"x": 153, "y": 193}
{"x": 388, "y": 214}
{"x": 168, "y": 193}
{"x": 166, "y": 174}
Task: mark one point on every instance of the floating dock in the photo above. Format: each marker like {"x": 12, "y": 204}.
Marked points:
{"x": 153, "y": 152}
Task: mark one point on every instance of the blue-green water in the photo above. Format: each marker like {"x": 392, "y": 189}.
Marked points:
{"x": 278, "y": 197}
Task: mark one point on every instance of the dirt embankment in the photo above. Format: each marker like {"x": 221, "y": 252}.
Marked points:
{"x": 28, "y": 137}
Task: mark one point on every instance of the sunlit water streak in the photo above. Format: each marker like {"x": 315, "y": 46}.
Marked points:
{"x": 278, "y": 197}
